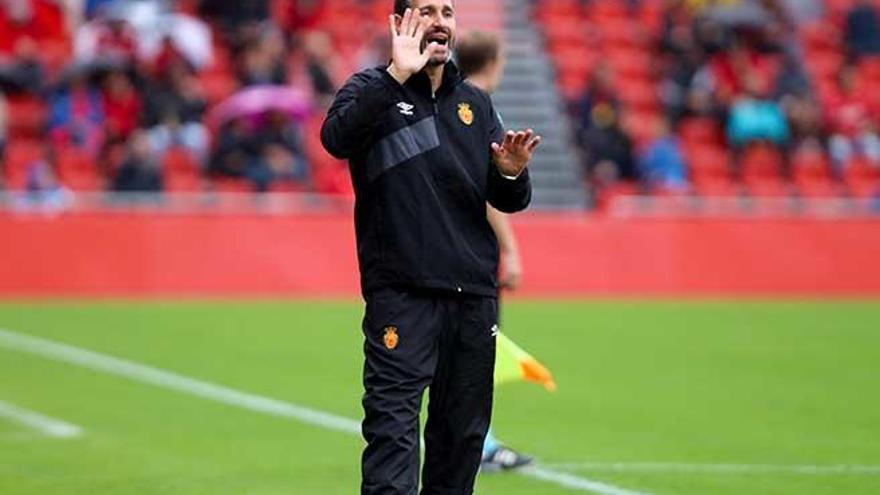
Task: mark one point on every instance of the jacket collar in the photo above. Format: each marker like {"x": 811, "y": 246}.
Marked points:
{"x": 421, "y": 83}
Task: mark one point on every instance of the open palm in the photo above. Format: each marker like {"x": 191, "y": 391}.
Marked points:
{"x": 513, "y": 154}
{"x": 407, "y": 57}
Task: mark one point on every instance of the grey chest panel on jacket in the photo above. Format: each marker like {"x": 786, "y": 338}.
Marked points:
{"x": 402, "y": 145}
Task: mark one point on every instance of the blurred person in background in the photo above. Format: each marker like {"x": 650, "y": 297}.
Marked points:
{"x": 234, "y": 149}
{"x": 609, "y": 150}
{"x": 662, "y": 164}
{"x": 122, "y": 110}
{"x": 600, "y": 91}
{"x": 139, "y": 171}
{"x": 76, "y": 115}
{"x": 42, "y": 188}
{"x": 4, "y": 125}
{"x": 235, "y": 16}
{"x": 108, "y": 37}
{"x": 862, "y": 30}
{"x": 481, "y": 62}
{"x": 321, "y": 62}
{"x": 753, "y": 119}
{"x": 262, "y": 58}
{"x": 852, "y": 130}
{"x": 39, "y": 20}
{"x": 22, "y": 70}
{"x": 174, "y": 111}
{"x": 805, "y": 122}
{"x": 281, "y": 155}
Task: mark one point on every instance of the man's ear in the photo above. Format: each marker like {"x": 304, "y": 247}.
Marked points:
{"x": 397, "y": 20}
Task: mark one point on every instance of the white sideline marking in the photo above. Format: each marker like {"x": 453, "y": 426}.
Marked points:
{"x": 44, "y": 424}
{"x": 219, "y": 393}
{"x": 575, "y": 482}
{"x": 674, "y": 467}
{"x": 155, "y": 376}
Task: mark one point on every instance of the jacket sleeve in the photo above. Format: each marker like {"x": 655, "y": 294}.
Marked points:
{"x": 353, "y": 116}
{"x": 505, "y": 194}
{"x": 509, "y": 195}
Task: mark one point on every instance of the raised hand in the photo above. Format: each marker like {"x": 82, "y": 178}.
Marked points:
{"x": 407, "y": 57}
{"x": 513, "y": 155}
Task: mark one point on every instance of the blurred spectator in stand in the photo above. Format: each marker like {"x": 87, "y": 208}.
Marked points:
{"x": 320, "y": 61}
{"x": 600, "y": 92}
{"x": 281, "y": 152}
{"x": 262, "y": 60}
{"x": 94, "y": 8}
{"x": 804, "y": 11}
{"x": 805, "y": 121}
{"x": 851, "y": 129}
{"x": 755, "y": 119}
{"x": 76, "y": 116}
{"x": 166, "y": 59}
{"x": 303, "y": 15}
{"x": 239, "y": 20}
{"x": 139, "y": 171}
{"x": 608, "y": 149}
{"x": 22, "y": 71}
{"x": 742, "y": 65}
{"x": 662, "y": 164}
{"x": 863, "y": 29}
{"x": 234, "y": 149}
{"x": 175, "y": 107}
{"x": 4, "y": 122}
{"x": 42, "y": 188}
{"x": 40, "y": 20}
{"x": 109, "y": 37}
{"x": 122, "y": 108}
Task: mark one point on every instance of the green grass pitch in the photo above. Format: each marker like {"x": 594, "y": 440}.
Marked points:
{"x": 775, "y": 384}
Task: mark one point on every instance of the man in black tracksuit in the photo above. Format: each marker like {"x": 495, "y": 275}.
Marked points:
{"x": 426, "y": 152}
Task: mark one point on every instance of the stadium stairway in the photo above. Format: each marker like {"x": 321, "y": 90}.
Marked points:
{"x": 528, "y": 97}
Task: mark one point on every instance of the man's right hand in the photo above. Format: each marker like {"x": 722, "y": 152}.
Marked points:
{"x": 407, "y": 57}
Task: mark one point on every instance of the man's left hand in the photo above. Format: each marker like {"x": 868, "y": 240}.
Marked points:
{"x": 513, "y": 155}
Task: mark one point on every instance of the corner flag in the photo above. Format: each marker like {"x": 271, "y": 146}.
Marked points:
{"x": 512, "y": 364}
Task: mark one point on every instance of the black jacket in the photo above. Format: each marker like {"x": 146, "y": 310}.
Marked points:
{"x": 422, "y": 173}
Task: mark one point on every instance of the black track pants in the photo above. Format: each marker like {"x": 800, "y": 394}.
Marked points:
{"x": 414, "y": 340}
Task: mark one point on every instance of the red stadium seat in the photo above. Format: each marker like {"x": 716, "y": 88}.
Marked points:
{"x": 27, "y": 116}
{"x": 810, "y": 166}
{"x": 638, "y": 94}
{"x": 769, "y": 188}
{"x": 761, "y": 162}
{"x": 862, "y": 177}
{"x": 821, "y": 36}
{"x": 19, "y": 154}
{"x": 641, "y": 126}
{"x": 232, "y": 185}
{"x": 824, "y": 64}
{"x": 631, "y": 63}
{"x": 78, "y": 170}
{"x": 701, "y": 130}
{"x": 181, "y": 171}
{"x": 709, "y": 170}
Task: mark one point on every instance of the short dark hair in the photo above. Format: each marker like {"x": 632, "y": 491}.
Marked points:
{"x": 475, "y": 50}
{"x": 400, "y": 6}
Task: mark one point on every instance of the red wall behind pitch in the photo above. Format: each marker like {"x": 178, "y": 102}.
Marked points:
{"x": 241, "y": 255}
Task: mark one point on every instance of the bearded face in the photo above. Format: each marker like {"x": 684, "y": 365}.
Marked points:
{"x": 438, "y": 17}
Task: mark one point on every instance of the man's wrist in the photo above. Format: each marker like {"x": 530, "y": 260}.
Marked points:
{"x": 509, "y": 177}
{"x": 398, "y": 75}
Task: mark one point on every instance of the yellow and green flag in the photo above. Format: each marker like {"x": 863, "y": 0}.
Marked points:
{"x": 513, "y": 364}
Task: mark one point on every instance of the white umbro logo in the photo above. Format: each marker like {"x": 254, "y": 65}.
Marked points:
{"x": 405, "y": 108}
{"x": 494, "y": 330}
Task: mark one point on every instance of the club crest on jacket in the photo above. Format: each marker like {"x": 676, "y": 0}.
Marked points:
{"x": 390, "y": 338}
{"x": 465, "y": 113}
